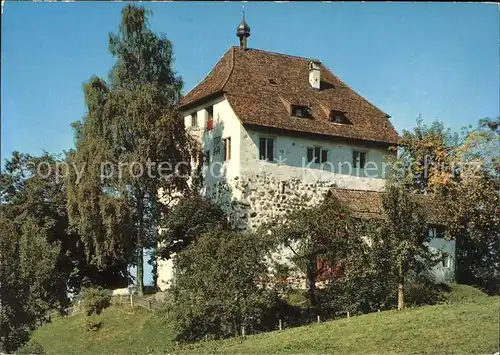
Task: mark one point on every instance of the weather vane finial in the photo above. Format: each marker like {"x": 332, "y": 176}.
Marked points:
{"x": 243, "y": 31}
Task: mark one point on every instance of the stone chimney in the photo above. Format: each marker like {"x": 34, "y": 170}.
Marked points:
{"x": 315, "y": 74}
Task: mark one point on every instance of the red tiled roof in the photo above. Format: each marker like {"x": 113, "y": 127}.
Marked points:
{"x": 368, "y": 204}
{"x": 243, "y": 77}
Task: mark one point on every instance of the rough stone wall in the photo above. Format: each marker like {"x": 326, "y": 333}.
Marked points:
{"x": 253, "y": 200}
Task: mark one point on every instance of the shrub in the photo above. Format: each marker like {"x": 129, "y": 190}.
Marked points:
{"x": 421, "y": 291}
{"x": 31, "y": 347}
{"x": 220, "y": 287}
{"x": 95, "y": 300}
{"x": 357, "y": 295}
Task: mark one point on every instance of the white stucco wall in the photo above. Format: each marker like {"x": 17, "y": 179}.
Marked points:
{"x": 225, "y": 124}
{"x": 290, "y": 153}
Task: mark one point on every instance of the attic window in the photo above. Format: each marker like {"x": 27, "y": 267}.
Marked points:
{"x": 338, "y": 117}
{"x": 272, "y": 81}
{"x": 299, "y": 111}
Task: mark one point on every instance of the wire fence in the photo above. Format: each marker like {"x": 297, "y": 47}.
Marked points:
{"x": 150, "y": 303}
{"x": 147, "y": 302}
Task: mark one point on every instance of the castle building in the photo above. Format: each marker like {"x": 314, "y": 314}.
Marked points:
{"x": 278, "y": 131}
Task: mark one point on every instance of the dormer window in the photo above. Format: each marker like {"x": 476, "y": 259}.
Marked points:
{"x": 338, "y": 117}
{"x": 299, "y": 111}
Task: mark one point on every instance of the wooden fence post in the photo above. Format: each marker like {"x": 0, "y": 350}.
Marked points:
{"x": 243, "y": 330}
{"x": 319, "y": 319}
{"x": 348, "y": 314}
{"x": 279, "y": 324}
{"x": 131, "y": 301}
{"x": 149, "y": 305}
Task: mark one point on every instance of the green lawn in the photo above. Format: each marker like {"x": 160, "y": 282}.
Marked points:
{"x": 123, "y": 331}
{"x": 468, "y": 324}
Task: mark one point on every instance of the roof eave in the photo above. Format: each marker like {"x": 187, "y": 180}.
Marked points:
{"x": 385, "y": 142}
{"x": 200, "y": 101}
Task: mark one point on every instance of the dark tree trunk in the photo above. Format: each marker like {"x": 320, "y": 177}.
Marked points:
{"x": 140, "y": 270}
{"x": 140, "y": 248}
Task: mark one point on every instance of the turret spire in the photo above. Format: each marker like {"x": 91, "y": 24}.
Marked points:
{"x": 243, "y": 32}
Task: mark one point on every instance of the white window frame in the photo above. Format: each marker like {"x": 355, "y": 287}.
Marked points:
{"x": 357, "y": 164}
{"x": 226, "y": 152}
{"x": 194, "y": 119}
{"x": 317, "y": 159}
{"x": 266, "y": 153}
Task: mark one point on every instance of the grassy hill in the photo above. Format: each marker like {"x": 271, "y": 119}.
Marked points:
{"x": 468, "y": 323}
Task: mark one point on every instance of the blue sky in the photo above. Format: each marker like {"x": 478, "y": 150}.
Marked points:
{"x": 440, "y": 60}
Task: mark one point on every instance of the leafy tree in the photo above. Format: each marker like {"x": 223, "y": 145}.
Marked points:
{"x": 463, "y": 170}
{"x": 41, "y": 261}
{"x": 425, "y": 151}
{"x": 404, "y": 233}
{"x": 474, "y": 222}
{"x": 364, "y": 282}
{"x": 131, "y": 123}
{"x": 30, "y": 282}
{"x": 478, "y": 150}
{"x": 316, "y": 233}
{"x": 220, "y": 286}
{"x": 186, "y": 221}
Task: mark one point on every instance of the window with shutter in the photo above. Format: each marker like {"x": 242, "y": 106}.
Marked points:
{"x": 358, "y": 159}
{"x": 324, "y": 156}
{"x": 309, "y": 154}
{"x": 317, "y": 155}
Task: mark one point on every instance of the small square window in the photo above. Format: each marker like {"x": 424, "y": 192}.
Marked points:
{"x": 338, "y": 117}
{"x": 299, "y": 111}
